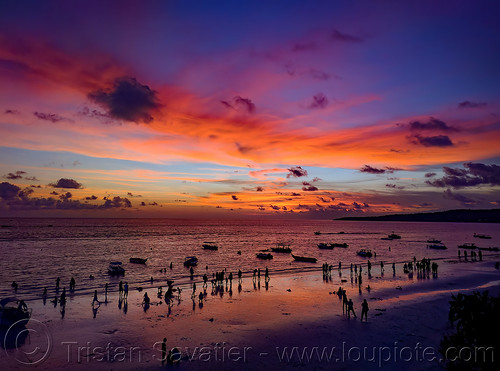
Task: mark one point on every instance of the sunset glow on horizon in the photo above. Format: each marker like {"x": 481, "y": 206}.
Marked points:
{"x": 217, "y": 109}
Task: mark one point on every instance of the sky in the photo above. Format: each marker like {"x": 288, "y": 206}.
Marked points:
{"x": 283, "y": 109}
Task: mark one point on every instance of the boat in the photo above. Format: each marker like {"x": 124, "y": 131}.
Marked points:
{"x": 210, "y": 246}
{"x": 433, "y": 241}
{"x": 116, "y": 269}
{"x": 304, "y": 259}
{"x": 138, "y": 260}
{"x": 190, "y": 261}
{"x": 317, "y": 232}
{"x": 467, "y": 245}
{"x": 436, "y": 246}
{"x": 336, "y": 244}
{"x": 489, "y": 248}
{"x": 13, "y": 311}
{"x": 282, "y": 247}
{"x": 264, "y": 255}
{"x": 325, "y": 246}
{"x": 392, "y": 236}
{"x": 365, "y": 253}
{"x": 483, "y": 236}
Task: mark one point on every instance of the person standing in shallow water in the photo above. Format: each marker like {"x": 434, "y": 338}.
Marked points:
{"x": 350, "y": 309}
{"x": 364, "y": 310}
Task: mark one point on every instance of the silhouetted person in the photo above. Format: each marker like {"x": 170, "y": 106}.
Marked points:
{"x": 14, "y": 285}
{"x": 62, "y": 300}
{"x": 125, "y": 290}
{"x": 106, "y": 293}
{"x": 239, "y": 275}
{"x": 364, "y": 310}
{"x": 146, "y": 300}
{"x": 120, "y": 288}
{"x": 72, "y": 283}
{"x": 344, "y": 302}
{"x": 58, "y": 280}
{"x": 171, "y": 265}
{"x": 480, "y": 255}
{"x": 95, "y": 297}
{"x": 200, "y": 297}
{"x": 350, "y": 306}
{"x": 44, "y": 295}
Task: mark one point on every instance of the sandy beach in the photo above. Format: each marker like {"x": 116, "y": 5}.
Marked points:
{"x": 297, "y": 321}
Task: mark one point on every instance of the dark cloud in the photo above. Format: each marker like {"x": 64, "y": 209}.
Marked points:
{"x": 103, "y": 117}
{"x": 52, "y": 117}
{"x": 434, "y": 141}
{"x": 294, "y": 194}
{"x": 469, "y": 104}
{"x": 240, "y": 104}
{"x": 430, "y": 175}
{"x": 432, "y": 124}
{"x": 234, "y": 197}
{"x": 309, "y": 188}
{"x": 116, "y": 202}
{"x": 91, "y": 198}
{"x": 473, "y": 174}
{"x": 66, "y": 183}
{"x": 394, "y": 186}
{"x": 458, "y": 197}
{"x": 11, "y": 112}
{"x": 296, "y": 171}
{"x": 16, "y": 175}
{"x": 259, "y": 189}
{"x": 274, "y": 207}
{"x": 132, "y": 195}
{"x": 65, "y": 196}
{"x": 8, "y": 191}
{"x": 128, "y": 100}
{"x": 336, "y": 35}
{"x": 32, "y": 178}
{"x": 319, "y": 101}
{"x": 35, "y": 186}
{"x": 372, "y": 170}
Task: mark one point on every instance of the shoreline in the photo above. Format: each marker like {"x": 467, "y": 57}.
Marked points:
{"x": 309, "y": 315}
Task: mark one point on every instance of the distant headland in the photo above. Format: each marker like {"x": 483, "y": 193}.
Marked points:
{"x": 457, "y": 216}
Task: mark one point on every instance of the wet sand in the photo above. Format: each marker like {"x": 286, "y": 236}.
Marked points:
{"x": 296, "y": 322}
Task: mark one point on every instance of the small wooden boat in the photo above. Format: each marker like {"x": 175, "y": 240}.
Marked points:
{"x": 365, "y": 253}
{"x": 304, "y": 259}
{"x": 433, "y": 241}
{"x": 325, "y": 246}
{"x": 116, "y": 269}
{"x": 138, "y": 260}
{"x": 282, "y": 247}
{"x": 496, "y": 249}
{"x": 436, "y": 246}
{"x": 336, "y": 244}
{"x": 210, "y": 246}
{"x": 467, "y": 245}
{"x": 483, "y": 236}
{"x": 264, "y": 255}
{"x": 392, "y": 236}
{"x": 190, "y": 261}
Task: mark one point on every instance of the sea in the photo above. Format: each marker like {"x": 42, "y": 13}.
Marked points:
{"x": 34, "y": 252}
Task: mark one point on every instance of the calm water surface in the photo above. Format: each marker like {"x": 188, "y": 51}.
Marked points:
{"x": 33, "y": 252}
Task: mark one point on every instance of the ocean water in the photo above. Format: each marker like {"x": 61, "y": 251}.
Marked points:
{"x": 34, "y": 252}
